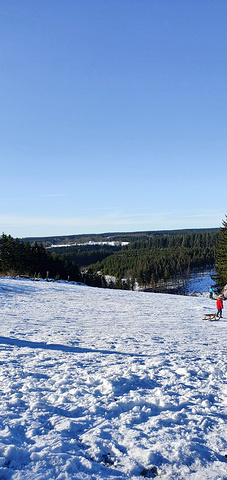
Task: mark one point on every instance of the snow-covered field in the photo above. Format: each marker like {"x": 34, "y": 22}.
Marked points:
{"x": 106, "y": 384}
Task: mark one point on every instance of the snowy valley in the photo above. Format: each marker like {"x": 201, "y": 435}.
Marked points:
{"x": 107, "y": 384}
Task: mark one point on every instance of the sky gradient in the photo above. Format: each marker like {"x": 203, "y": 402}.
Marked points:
{"x": 113, "y": 115}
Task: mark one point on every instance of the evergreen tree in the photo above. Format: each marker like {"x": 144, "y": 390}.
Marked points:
{"x": 221, "y": 258}
{"x": 6, "y": 253}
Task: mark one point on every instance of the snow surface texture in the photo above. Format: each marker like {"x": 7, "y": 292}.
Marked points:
{"x": 106, "y": 384}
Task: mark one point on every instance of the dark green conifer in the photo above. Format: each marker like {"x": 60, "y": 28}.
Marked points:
{"x": 221, "y": 257}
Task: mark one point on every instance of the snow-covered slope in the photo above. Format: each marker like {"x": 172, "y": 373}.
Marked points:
{"x": 105, "y": 384}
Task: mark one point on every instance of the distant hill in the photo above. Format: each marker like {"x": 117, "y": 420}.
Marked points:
{"x": 110, "y": 236}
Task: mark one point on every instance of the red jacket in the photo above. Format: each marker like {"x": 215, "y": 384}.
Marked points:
{"x": 219, "y": 304}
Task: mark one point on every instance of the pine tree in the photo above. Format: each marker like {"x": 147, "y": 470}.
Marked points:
{"x": 221, "y": 258}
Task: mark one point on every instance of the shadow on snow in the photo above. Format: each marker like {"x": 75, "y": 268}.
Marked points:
{"x": 63, "y": 348}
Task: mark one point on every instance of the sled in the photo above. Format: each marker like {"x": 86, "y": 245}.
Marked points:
{"x": 211, "y": 316}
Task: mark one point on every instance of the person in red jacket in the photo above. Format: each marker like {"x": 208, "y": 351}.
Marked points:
{"x": 220, "y": 305}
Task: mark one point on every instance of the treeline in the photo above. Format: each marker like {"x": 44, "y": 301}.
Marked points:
{"x": 22, "y": 258}
{"x": 160, "y": 258}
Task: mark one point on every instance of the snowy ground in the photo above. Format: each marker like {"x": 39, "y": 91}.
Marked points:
{"x": 200, "y": 282}
{"x": 106, "y": 384}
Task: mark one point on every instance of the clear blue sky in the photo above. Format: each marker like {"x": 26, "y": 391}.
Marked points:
{"x": 113, "y": 115}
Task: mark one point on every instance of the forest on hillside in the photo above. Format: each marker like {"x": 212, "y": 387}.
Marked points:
{"x": 149, "y": 261}
{"x": 84, "y": 255}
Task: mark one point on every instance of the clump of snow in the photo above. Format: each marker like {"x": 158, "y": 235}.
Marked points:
{"x": 99, "y": 383}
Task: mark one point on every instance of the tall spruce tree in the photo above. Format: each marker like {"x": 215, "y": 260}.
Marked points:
{"x": 221, "y": 257}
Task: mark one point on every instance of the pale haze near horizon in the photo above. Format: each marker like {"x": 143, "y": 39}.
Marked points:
{"x": 113, "y": 116}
